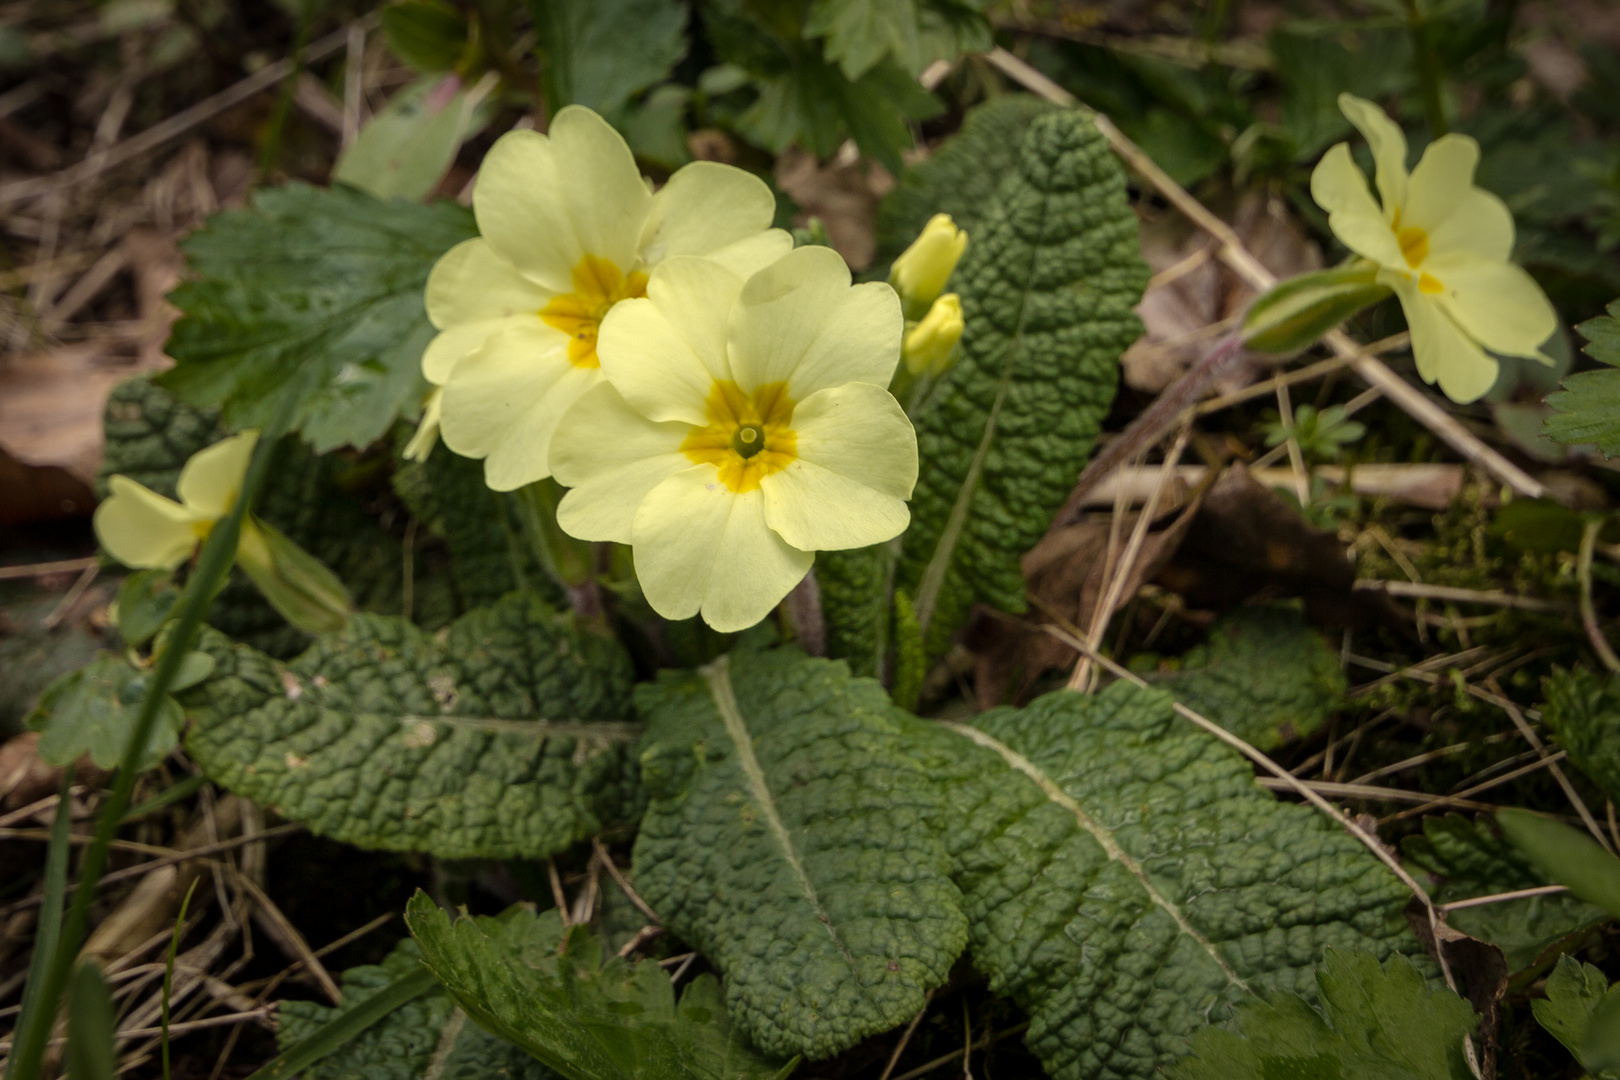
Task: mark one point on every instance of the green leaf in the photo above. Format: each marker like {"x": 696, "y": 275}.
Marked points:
{"x": 1264, "y": 675}
{"x": 429, "y": 35}
{"x": 328, "y": 310}
{"x": 299, "y": 586}
{"x": 1574, "y": 992}
{"x": 1583, "y": 711}
{"x": 505, "y": 740}
{"x": 1378, "y": 1022}
{"x": 854, "y": 587}
{"x": 1601, "y": 1050}
{"x": 90, "y": 1026}
{"x": 1127, "y": 882}
{"x": 406, "y": 148}
{"x": 145, "y": 600}
{"x": 961, "y": 177}
{"x": 1048, "y": 284}
{"x": 93, "y": 710}
{"x": 601, "y": 53}
{"x": 1470, "y": 859}
{"x": 786, "y": 829}
{"x": 1565, "y": 855}
{"x": 426, "y": 1033}
{"x": 551, "y": 991}
{"x": 1588, "y": 407}
{"x": 150, "y": 434}
{"x": 860, "y": 33}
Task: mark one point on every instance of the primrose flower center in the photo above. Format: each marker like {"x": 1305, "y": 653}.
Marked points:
{"x": 1414, "y": 245}
{"x": 598, "y": 285}
{"x": 748, "y": 436}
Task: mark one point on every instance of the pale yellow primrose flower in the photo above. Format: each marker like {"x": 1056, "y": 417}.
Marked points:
{"x": 569, "y": 230}
{"x": 144, "y": 530}
{"x": 743, "y": 426}
{"x": 1442, "y": 244}
{"x": 929, "y": 343}
{"x": 921, "y": 271}
{"x": 427, "y": 428}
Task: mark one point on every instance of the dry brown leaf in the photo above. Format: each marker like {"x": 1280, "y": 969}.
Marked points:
{"x": 844, "y": 193}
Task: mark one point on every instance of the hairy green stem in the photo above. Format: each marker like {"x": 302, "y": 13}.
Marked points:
{"x": 1428, "y": 69}
{"x": 218, "y": 553}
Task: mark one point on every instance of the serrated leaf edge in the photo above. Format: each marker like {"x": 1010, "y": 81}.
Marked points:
{"x": 718, "y": 677}
{"x": 1104, "y": 838}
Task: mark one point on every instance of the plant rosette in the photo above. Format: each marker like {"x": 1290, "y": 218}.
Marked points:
{"x": 569, "y": 230}
{"x": 742, "y": 427}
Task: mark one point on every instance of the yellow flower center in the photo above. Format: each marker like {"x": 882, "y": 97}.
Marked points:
{"x": 1414, "y": 243}
{"x": 598, "y": 285}
{"x": 747, "y": 435}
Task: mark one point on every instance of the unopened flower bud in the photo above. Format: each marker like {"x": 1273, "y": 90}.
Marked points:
{"x": 920, "y": 273}
{"x": 930, "y": 344}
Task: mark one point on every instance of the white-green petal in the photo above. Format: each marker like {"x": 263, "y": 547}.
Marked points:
{"x": 1442, "y": 177}
{"x": 1497, "y": 303}
{"x": 706, "y": 206}
{"x": 142, "y": 529}
{"x": 610, "y": 457}
{"x": 211, "y": 480}
{"x": 1444, "y": 353}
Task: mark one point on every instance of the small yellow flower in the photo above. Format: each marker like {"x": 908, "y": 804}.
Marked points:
{"x": 930, "y": 343}
{"x": 146, "y": 531}
{"x": 1442, "y": 244}
{"x": 921, "y": 271}
{"x": 570, "y": 229}
{"x": 427, "y": 429}
{"x": 742, "y": 427}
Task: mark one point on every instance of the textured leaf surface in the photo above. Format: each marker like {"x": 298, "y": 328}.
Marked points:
{"x": 1378, "y": 1022}
{"x": 1469, "y": 859}
{"x": 507, "y": 740}
{"x": 855, "y": 606}
{"x": 1264, "y": 675}
{"x": 1127, "y": 882}
{"x": 1574, "y": 992}
{"x": 1587, "y": 409}
{"x": 1583, "y": 710}
{"x": 550, "y": 991}
{"x": 601, "y": 53}
{"x": 1047, "y": 286}
{"x": 859, "y": 33}
{"x": 961, "y": 177}
{"x": 791, "y": 840}
{"x": 424, "y": 1034}
{"x": 328, "y": 309}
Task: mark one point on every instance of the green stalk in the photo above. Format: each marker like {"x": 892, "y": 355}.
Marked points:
{"x": 219, "y": 551}
{"x": 1428, "y": 69}
{"x": 270, "y": 149}
{"x": 168, "y": 970}
{"x": 50, "y": 912}
{"x": 569, "y": 561}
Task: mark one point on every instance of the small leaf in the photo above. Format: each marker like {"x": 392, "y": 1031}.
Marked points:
{"x": 1378, "y": 1022}
{"x": 90, "y": 1026}
{"x": 93, "y": 710}
{"x": 860, "y": 33}
{"x": 429, "y": 35}
{"x": 145, "y": 600}
{"x": 328, "y": 310}
{"x": 1588, "y": 406}
{"x": 406, "y": 148}
{"x": 1583, "y": 711}
{"x": 601, "y": 53}
{"x": 548, "y": 989}
{"x": 1601, "y": 1050}
{"x": 1574, "y": 991}
{"x": 1565, "y": 855}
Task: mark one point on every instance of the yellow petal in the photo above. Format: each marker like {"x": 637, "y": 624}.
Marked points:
{"x": 706, "y": 206}
{"x": 211, "y": 480}
{"x": 502, "y": 404}
{"x": 665, "y": 352}
{"x": 427, "y": 429}
{"x": 1479, "y": 223}
{"x": 544, "y": 202}
{"x": 929, "y": 344}
{"x": 1496, "y": 303}
{"x": 702, "y": 549}
{"x": 745, "y": 258}
{"x": 610, "y": 456}
{"x": 143, "y": 530}
{"x": 856, "y": 465}
{"x": 472, "y": 293}
{"x": 1441, "y": 179}
{"x": 799, "y": 322}
{"x": 1388, "y": 143}
{"x": 1339, "y": 187}
{"x": 920, "y": 272}
{"x": 448, "y": 347}
{"x": 1445, "y": 354}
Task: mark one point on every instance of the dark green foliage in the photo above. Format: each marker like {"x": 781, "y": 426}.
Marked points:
{"x": 1583, "y": 711}
{"x": 961, "y": 177}
{"x": 790, "y": 839}
{"x": 150, "y": 434}
{"x": 554, "y": 992}
{"x": 601, "y": 53}
{"x": 1265, "y": 676}
{"x": 93, "y": 711}
{"x": 1377, "y": 1023}
{"x": 855, "y": 606}
{"x": 1047, "y": 286}
{"x": 1469, "y": 859}
{"x": 403, "y": 1044}
{"x": 1126, "y": 882}
{"x": 328, "y": 310}
{"x": 504, "y": 740}
{"x": 1575, "y": 991}
{"x": 1587, "y": 409}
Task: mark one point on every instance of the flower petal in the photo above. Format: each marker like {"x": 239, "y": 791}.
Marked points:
{"x": 1443, "y": 176}
{"x": 706, "y": 206}
{"x": 700, "y": 547}
{"x": 471, "y": 283}
{"x": 1479, "y": 223}
{"x": 745, "y": 258}
{"x": 449, "y": 346}
{"x": 502, "y": 404}
{"x": 1340, "y": 188}
{"x": 210, "y": 481}
{"x": 799, "y": 322}
{"x": 1388, "y": 143}
{"x": 856, "y": 466}
{"x": 544, "y": 202}
{"x": 1444, "y": 354}
{"x": 142, "y": 529}
{"x": 610, "y": 456}
{"x": 1496, "y": 303}
{"x": 664, "y": 352}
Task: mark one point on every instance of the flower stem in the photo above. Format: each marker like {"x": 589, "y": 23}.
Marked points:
{"x": 570, "y": 562}
{"x": 1583, "y": 573}
{"x": 1428, "y": 69}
